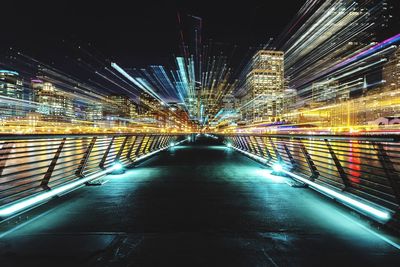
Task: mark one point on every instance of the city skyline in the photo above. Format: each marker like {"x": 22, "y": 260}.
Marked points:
{"x": 331, "y": 55}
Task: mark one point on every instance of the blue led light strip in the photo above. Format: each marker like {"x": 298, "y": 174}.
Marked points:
{"x": 30, "y": 202}
{"x": 380, "y": 214}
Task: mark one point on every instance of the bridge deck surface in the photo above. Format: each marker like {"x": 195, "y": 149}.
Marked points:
{"x": 195, "y": 205}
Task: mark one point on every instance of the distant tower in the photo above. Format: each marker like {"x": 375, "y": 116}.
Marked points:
{"x": 264, "y": 86}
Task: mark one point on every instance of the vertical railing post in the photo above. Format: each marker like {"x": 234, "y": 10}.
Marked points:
{"x": 339, "y": 167}
{"x": 129, "y": 154}
{"x": 240, "y": 141}
{"x": 166, "y": 141}
{"x": 291, "y": 159}
{"x": 310, "y": 162}
{"x": 53, "y": 163}
{"x": 157, "y": 143}
{"x": 262, "y": 152}
{"x": 267, "y": 150}
{"x": 105, "y": 155}
{"x": 278, "y": 156}
{"x": 144, "y": 144}
{"x": 388, "y": 168}
{"x": 163, "y": 141}
{"x": 150, "y": 143}
{"x": 245, "y": 144}
{"x": 255, "y": 146}
{"x": 121, "y": 149}
{"x": 160, "y": 142}
{"x": 236, "y": 142}
{"x": 250, "y": 145}
{"x": 85, "y": 158}
{"x": 5, "y": 154}
{"x": 137, "y": 152}
{"x": 153, "y": 142}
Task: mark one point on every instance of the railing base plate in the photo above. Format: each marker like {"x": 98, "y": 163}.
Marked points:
{"x": 96, "y": 182}
{"x": 296, "y": 184}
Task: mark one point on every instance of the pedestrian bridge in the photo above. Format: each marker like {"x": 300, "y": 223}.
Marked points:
{"x": 198, "y": 200}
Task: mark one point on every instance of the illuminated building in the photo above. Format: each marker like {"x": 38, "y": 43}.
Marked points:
{"x": 94, "y": 111}
{"x": 11, "y": 88}
{"x": 228, "y": 112}
{"x": 54, "y": 104}
{"x": 208, "y": 105}
{"x": 121, "y": 106}
{"x": 264, "y": 87}
{"x": 324, "y": 92}
{"x": 10, "y": 84}
{"x": 151, "y": 111}
{"x": 148, "y": 106}
{"x": 230, "y": 102}
{"x": 133, "y": 110}
{"x": 289, "y": 100}
{"x": 391, "y": 71}
{"x": 116, "y": 110}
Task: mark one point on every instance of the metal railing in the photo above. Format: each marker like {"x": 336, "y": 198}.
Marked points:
{"x": 364, "y": 166}
{"x": 30, "y": 164}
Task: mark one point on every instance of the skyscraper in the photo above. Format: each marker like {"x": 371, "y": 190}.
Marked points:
{"x": 11, "y": 88}
{"x": 264, "y": 87}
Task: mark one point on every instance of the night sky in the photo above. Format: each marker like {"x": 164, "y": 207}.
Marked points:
{"x": 138, "y": 33}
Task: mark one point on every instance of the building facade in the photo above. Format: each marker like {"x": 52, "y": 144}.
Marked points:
{"x": 11, "y": 88}
{"x": 391, "y": 71}
{"x": 53, "y": 104}
{"x": 264, "y": 87}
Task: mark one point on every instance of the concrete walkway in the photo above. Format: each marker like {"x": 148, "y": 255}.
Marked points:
{"x": 197, "y": 205}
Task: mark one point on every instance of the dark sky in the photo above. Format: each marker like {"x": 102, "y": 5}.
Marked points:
{"x": 137, "y": 32}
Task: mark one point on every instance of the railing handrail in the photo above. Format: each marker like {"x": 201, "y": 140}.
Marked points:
{"x": 363, "y": 137}
{"x": 55, "y": 136}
